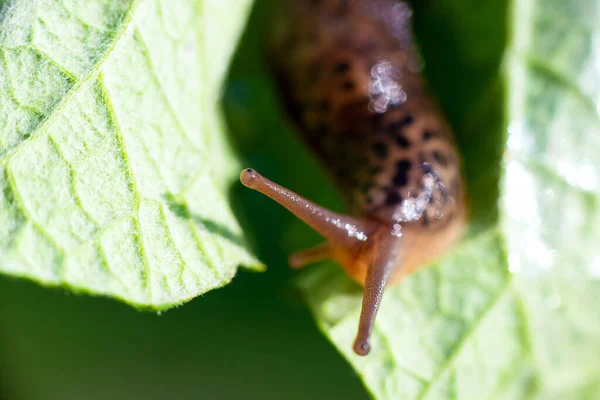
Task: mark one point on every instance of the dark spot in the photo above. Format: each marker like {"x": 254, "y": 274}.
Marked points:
{"x": 401, "y": 177}
{"x": 395, "y": 129}
{"x": 376, "y": 120}
{"x": 369, "y": 199}
{"x": 425, "y": 219}
{"x": 348, "y": 85}
{"x": 397, "y": 126}
{"x": 428, "y": 135}
{"x": 402, "y": 141}
{"x": 440, "y": 158}
{"x": 400, "y": 180}
{"x": 407, "y": 120}
{"x": 392, "y": 197}
{"x": 341, "y": 67}
{"x": 403, "y": 165}
{"x": 380, "y": 149}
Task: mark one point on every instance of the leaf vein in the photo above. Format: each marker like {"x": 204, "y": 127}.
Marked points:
{"x": 134, "y": 186}
{"x": 77, "y": 87}
{"x": 146, "y": 51}
{"x": 503, "y": 291}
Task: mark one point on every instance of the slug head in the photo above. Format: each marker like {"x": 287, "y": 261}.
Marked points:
{"x": 367, "y": 249}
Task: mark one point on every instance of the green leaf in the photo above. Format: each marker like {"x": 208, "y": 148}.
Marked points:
{"x": 113, "y": 165}
{"x": 514, "y": 310}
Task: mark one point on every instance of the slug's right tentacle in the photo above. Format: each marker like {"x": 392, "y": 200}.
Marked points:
{"x": 385, "y": 257}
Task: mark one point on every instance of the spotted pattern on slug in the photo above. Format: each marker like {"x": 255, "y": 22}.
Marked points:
{"x": 358, "y": 97}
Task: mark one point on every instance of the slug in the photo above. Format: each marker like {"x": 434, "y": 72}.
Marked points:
{"x": 349, "y": 76}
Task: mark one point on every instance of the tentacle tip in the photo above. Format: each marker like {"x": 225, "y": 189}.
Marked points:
{"x": 248, "y": 177}
{"x": 362, "y": 347}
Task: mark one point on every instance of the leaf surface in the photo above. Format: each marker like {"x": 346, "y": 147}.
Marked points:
{"x": 113, "y": 167}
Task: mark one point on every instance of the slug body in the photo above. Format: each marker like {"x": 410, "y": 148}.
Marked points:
{"x": 349, "y": 75}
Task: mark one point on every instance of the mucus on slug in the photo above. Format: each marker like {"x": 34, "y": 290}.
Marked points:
{"x": 346, "y": 70}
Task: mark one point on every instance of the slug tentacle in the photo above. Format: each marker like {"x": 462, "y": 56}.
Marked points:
{"x": 385, "y": 259}
{"x": 343, "y": 230}
{"x": 303, "y": 258}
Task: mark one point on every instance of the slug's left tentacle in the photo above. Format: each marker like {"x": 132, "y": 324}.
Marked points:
{"x": 384, "y": 259}
{"x": 343, "y": 230}
{"x": 318, "y": 253}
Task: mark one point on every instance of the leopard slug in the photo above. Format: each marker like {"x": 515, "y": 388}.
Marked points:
{"x": 349, "y": 75}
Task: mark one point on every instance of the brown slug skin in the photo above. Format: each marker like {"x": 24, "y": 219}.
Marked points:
{"x": 349, "y": 75}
